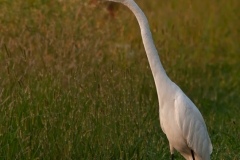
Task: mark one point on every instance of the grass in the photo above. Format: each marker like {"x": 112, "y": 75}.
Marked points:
{"x": 75, "y": 82}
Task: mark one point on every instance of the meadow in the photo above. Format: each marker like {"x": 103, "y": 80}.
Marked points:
{"x": 75, "y": 82}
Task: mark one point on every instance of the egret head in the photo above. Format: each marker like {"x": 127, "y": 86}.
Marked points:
{"x": 120, "y": 1}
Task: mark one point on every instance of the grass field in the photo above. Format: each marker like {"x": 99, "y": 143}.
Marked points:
{"x": 75, "y": 82}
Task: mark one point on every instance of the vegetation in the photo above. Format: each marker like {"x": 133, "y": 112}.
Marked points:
{"x": 75, "y": 82}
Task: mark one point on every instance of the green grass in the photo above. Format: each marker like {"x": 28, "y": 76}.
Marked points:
{"x": 75, "y": 82}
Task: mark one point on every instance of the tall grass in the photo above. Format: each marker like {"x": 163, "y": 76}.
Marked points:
{"x": 75, "y": 82}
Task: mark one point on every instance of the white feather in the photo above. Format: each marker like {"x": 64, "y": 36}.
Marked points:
{"x": 180, "y": 119}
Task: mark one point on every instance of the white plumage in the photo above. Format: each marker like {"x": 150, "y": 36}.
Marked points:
{"x": 180, "y": 119}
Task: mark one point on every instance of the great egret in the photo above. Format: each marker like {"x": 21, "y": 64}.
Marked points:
{"x": 180, "y": 119}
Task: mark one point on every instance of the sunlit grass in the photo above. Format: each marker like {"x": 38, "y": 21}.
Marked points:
{"x": 75, "y": 82}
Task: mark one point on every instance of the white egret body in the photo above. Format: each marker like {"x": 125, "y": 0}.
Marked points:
{"x": 180, "y": 119}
